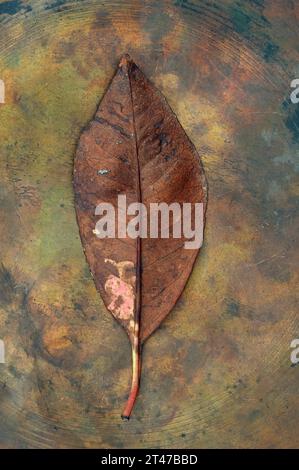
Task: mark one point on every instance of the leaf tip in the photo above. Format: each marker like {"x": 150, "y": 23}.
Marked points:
{"x": 125, "y": 60}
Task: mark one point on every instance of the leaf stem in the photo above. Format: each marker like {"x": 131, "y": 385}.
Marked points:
{"x": 136, "y": 369}
{"x": 135, "y": 340}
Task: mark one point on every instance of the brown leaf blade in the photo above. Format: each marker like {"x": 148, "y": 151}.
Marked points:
{"x": 136, "y": 147}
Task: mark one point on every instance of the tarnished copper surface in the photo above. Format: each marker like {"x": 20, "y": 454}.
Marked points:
{"x": 217, "y": 373}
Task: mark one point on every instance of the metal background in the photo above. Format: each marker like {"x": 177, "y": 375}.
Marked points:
{"x": 218, "y": 372}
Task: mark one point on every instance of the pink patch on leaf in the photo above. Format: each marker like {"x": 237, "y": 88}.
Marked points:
{"x": 122, "y": 295}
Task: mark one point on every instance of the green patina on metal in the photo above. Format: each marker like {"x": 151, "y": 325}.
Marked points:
{"x": 218, "y": 372}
